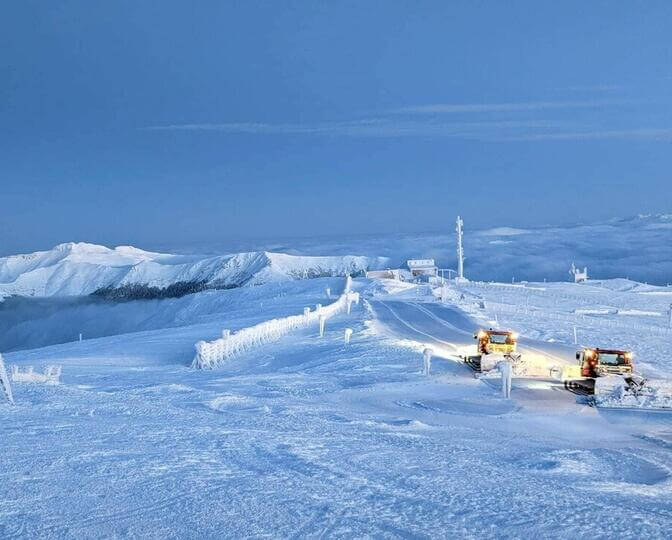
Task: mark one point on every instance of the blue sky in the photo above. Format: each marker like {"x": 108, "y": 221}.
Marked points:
{"x": 157, "y": 122}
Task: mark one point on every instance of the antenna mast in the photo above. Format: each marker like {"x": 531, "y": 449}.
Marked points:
{"x": 460, "y": 251}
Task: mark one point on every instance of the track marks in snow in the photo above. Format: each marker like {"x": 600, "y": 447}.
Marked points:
{"x": 413, "y": 327}
{"x": 443, "y": 322}
{"x": 462, "y": 406}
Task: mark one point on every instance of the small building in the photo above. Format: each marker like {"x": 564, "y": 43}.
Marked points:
{"x": 422, "y": 267}
{"x": 385, "y": 274}
{"x": 578, "y": 275}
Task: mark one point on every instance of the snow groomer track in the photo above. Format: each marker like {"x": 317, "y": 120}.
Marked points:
{"x": 451, "y": 331}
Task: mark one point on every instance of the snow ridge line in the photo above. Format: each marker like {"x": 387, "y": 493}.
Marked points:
{"x": 210, "y": 354}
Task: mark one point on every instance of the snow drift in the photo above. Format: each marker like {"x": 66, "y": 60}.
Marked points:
{"x": 611, "y": 392}
{"x": 76, "y": 269}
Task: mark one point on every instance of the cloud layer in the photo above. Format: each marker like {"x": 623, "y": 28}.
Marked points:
{"x": 491, "y": 122}
{"x": 384, "y": 127}
{"x": 452, "y": 108}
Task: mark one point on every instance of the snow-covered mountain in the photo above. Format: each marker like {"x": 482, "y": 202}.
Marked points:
{"x": 639, "y": 248}
{"x": 75, "y": 269}
{"x": 636, "y": 247}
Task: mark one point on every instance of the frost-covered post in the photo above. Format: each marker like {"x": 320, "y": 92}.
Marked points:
{"x": 4, "y": 382}
{"x": 80, "y": 337}
{"x": 505, "y": 369}
{"x": 575, "y": 336}
{"x": 199, "y": 359}
{"x": 306, "y": 312}
{"x": 329, "y": 293}
{"x": 52, "y": 374}
{"x": 226, "y": 343}
{"x": 460, "y": 250}
{"x": 318, "y": 308}
{"x": 427, "y": 357}
{"x": 348, "y": 335}
{"x": 350, "y": 298}
{"x": 323, "y": 320}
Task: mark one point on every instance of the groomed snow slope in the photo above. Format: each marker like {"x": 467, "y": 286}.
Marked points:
{"x": 616, "y": 313}
{"x": 310, "y": 438}
{"x": 76, "y": 269}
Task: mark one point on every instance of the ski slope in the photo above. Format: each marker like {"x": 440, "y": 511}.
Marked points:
{"x": 308, "y": 437}
{"x": 450, "y": 335}
{"x": 619, "y": 314}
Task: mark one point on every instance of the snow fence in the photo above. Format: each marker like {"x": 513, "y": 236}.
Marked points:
{"x": 210, "y": 354}
{"x": 51, "y": 375}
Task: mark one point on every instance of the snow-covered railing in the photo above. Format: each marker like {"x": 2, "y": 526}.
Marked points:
{"x": 51, "y": 375}
{"x": 210, "y": 354}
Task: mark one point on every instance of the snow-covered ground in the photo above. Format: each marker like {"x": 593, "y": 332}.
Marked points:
{"x": 618, "y": 313}
{"x": 31, "y": 323}
{"x": 308, "y": 437}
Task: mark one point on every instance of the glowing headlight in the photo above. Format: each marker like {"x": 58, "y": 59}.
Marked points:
{"x": 628, "y": 356}
{"x": 513, "y": 336}
{"x": 588, "y": 353}
{"x": 481, "y": 334}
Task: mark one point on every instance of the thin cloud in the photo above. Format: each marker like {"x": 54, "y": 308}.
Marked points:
{"x": 486, "y": 131}
{"x": 596, "y": 88}
{"x": 655, "y": 134}
{"x": 372, "y": 128}
{"x": 455, "y": 108}
{"x": 255, "y": 128}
